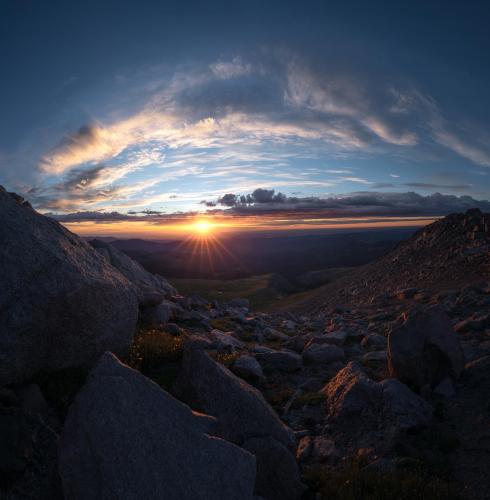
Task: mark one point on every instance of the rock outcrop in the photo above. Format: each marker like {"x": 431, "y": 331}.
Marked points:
{"x": 124, "y": 437}
{"x": 61, "y": 303}
{"x": 375, "y": 412}
{"x": 149, "y": 287}
{"x": 425, "y": 349}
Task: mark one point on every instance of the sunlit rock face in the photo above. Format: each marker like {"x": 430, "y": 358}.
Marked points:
{"x": 61, "y": 303}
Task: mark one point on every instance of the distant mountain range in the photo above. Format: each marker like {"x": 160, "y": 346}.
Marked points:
{"x": 249, "y": 255}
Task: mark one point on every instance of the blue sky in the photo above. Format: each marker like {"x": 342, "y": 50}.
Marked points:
{"x": 159, "y": 106}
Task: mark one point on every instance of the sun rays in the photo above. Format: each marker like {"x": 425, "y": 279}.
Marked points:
{"x": 206, "y": 246}
{"x": 203, "y": 227}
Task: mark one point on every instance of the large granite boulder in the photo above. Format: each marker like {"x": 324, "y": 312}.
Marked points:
{"x": 425, "y": 349}
{"x": 61, "y": 303}
{"x": 279, "y": 361}
{"x": 374, "y": 412}
{"x": 149, "y": 287}
{"x": 124, "y": 437}
{"x": 241, "y": 410}
{"x": 278, "y": 476}
{"x": 244, "y": 418}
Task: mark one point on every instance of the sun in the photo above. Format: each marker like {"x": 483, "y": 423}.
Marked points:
{"x": 202, "y": 227}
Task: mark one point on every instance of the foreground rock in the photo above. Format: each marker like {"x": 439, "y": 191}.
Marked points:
{"x": 124, "y": 437}
{"x": 425, "y": 349}
{"x": 241, "y": 410}
{"x": 277, "y": 471}
{"x": 244, "y": 418}
{"x": 61, "y": 303}
{"x": 373, "y": 412}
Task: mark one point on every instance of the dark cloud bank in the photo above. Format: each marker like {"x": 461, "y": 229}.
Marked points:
{"x": 269, "y": 202}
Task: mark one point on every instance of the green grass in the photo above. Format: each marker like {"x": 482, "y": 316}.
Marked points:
{"x": 255, "y": 289}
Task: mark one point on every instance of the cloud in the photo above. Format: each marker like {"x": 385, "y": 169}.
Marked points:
{"x": 234, "y": 105}
{"x": 428, "y": 185}
{"x": 231, "y": 69}
{"x": 359, "y": 203}
{"x": 234, "y": 121}
{"x": 478, "y": 153}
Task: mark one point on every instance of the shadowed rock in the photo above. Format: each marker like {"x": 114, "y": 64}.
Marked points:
{"x": 374, "y": 412}
{"x": 425, "y": 349}
{"x": 243, "y": 417}
{"x": 318, "y": 354}
{"x": 125, "y": 437}
{"x": 241, "y": 410}
{"x": 279, "y": 361}
{"x": 277, "y": 471}
{"x": 28, "y": 457}
{"x": 61, "y": 303}
{"x": 147, "y": 285}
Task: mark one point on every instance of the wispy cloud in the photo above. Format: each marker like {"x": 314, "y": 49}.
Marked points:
{"x": 259, "y": 121}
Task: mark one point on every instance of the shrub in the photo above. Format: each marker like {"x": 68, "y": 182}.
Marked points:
{"x": 153, "y": 348}
{"x": 226, "y": 358}
{"x": 354, "y": 483}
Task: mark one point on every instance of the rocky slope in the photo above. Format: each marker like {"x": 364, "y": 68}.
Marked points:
{"x": 447, "y": 254}
{"x": 385, "y": 398}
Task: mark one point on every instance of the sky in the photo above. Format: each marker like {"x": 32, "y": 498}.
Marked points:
{"x": 143, "y": 110}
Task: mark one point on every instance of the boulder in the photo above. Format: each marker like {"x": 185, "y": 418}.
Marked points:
{"x": 375, "y": 359}
{"x": 374, "y": 341}
{"x": 241, "y": 410}
{"x": 278, "y": 476}
{"x": 61, "y": 303}
{"x": 248, "y": 367}
{"x": 272, "y": 334}
{"x": 124, "y": 437}
{"x": 322, "y": 354}
{"x": 279, "y": 361}
{"x": 296, "y": 343}
{"x": 375, "y": 412}
{"x": 224, "y": 341}
{"x": 147, "y": 284}
{"x": 161, "y": 313}
{"x": 337, "y": 337}
{"x": 424, "y": 349}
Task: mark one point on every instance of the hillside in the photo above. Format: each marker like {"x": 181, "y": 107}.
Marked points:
{"x": 450, "y": 253}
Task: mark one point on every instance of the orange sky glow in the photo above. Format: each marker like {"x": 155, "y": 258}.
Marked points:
{"x": 200, "y": 225}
